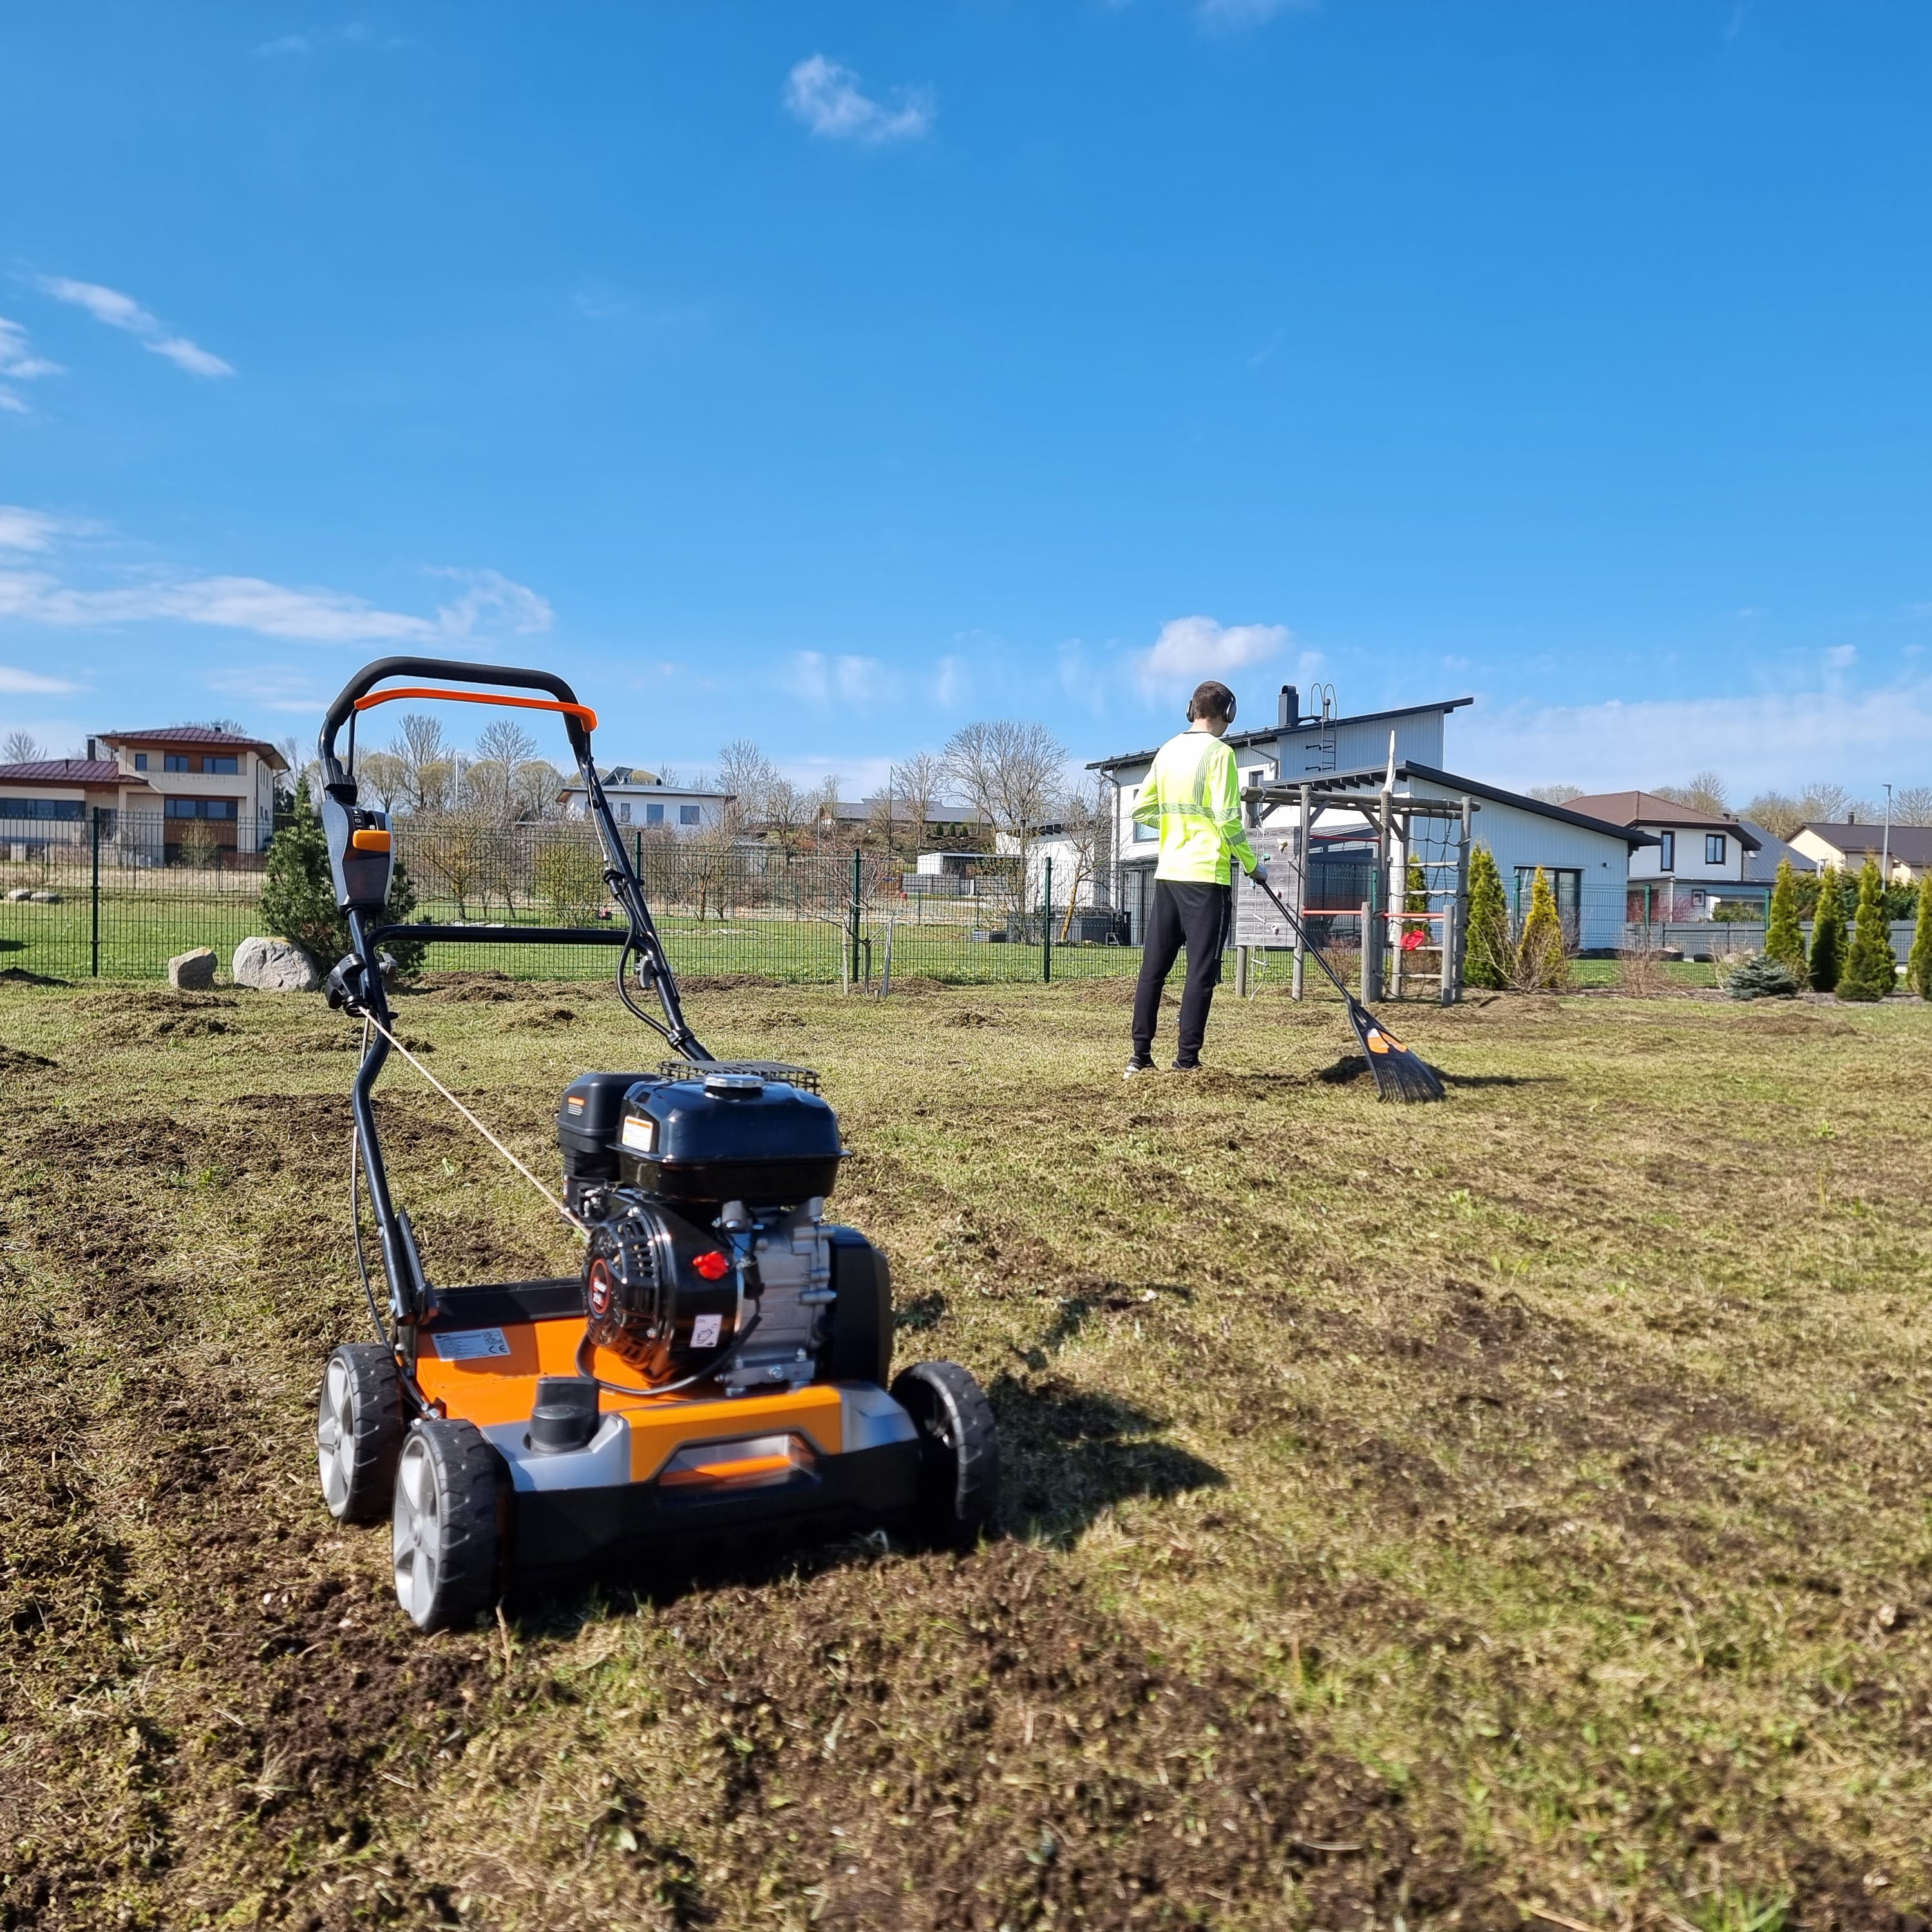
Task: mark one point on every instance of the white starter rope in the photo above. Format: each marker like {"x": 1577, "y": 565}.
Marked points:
{"x": 369, "y": 1019}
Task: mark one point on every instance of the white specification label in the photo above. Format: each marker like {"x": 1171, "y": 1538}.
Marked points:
{"x": 704, "y": 1330}
{"x": 469, "y": 1343}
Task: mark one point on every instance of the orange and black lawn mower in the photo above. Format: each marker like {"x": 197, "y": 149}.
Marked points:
{"x": 717, "y": 1370}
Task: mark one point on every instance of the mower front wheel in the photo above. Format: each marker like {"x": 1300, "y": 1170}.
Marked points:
{"x": 359, "y": 1431}
{"x": 447, "y": 1534}
{"x": 958, "y": 1451}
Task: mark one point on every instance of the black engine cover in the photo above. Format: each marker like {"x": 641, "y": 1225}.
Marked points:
{"x": 729, "y": 1137}
{"x": 659, "y": 1291}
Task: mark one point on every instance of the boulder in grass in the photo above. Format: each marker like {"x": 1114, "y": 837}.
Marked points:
{"x": 192, "y": 972}
{"x": 45, "y": 899}
{"x": 274, "y": 966}
{"x": 19, "y": 893}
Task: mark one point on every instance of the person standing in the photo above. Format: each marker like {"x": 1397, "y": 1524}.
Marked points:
{"x": 1193, "y": 795}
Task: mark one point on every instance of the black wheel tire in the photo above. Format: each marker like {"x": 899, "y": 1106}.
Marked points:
{"x": 861, "y": 1348}
{"x": 359, "y": 1424}
{"x": 449, "y": 1524}
{"x": 958, "y": 1451}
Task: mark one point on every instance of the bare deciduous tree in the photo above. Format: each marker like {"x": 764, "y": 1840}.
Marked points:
{"x": 383, "y": 777}
{"x": 747, "y": 774}
{"x": 1556, "y": 794}
{"x": 1084, "y": 825}
{"x": 1703, "y": 792}
{"x": 1912, "y": 805}
{"x": 918, "y": 781}
{"x": 429, "y": 764}
{"x": 1821, "y": 802}
{"x": 1012, "y": 773}
{"x": 20, "y": 748}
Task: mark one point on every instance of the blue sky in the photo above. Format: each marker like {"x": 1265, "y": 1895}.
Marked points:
{"x": 833, "y": 374}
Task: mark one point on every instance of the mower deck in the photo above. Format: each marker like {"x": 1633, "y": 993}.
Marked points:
{"x": 658, "y": 1466}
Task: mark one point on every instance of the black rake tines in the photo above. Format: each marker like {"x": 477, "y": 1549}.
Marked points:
{"x": 1399, "y": 1074}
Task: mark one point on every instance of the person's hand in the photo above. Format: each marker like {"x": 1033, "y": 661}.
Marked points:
{"x": 1258, "y": 873}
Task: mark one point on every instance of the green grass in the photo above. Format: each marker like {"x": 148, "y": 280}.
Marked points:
{"x": 1528, "y": 1495}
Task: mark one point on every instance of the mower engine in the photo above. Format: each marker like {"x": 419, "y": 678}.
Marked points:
{"x": 703, "y": 1189}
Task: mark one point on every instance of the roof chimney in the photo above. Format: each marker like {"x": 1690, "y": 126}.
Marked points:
{"x": 1289, "y": 714}
{"x": 93, "y": 748}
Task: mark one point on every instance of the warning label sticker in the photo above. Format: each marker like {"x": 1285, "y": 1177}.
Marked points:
{"x": 469, "y": 1343}
{"x": 704, "y": 1330}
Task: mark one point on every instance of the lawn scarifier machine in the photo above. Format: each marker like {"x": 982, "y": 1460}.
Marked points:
{"x": 717, "y": 1372}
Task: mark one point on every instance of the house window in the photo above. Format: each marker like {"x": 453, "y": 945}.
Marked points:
{"x": 231, "y": 767}
{"x": 653, "y": 814}
{"x": 687, "y": 815}
{"x": 1713, "y": 848}
{"x": 1667, "y": 851}
{"x": 175, "y": 761}
{"x": 41, "y": 808}
{"x": 202, "y": 807}
{"x": 624, "y": 815}
{"x": 140, "y": 761}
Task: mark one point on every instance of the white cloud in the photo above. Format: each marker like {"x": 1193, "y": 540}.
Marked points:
{"x": 952, "y": 686}
{"x": 286, "y": 43}
{"x": 121, "y": 311}
{"x": 827, "y": 98}
{"x": 1778, "y": 739}
{"x": 27, "y": 530}
{"x": 19, "y": 364}
{"x": 15, "y": 683}
{"x": 1190, "y": 649}
{"x": 856, "y": 683}
{"x": 274, "y": 610}
{"x": 1249, "y": 13}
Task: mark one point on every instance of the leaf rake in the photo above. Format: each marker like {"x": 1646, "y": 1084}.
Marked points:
{"x": 1399, "y": 1074}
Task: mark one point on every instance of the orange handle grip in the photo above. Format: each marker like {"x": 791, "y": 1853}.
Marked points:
{"x": 582, "y": 712}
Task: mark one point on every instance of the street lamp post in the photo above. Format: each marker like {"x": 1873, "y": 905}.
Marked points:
{"x": 1885, "y": 863}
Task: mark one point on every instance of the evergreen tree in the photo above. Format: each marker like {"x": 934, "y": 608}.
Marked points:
{"x": 1870, "y": 971}
{"x": 298, "y": 895}
{"x": 1488, "y": 958}
{"x": 1762, "y": 977}
{"x": 1542, "y": 965}
{"x": 1828, "y": 934}
{"x": 1919, "y": 967}
{"x": 1783, "y": 941}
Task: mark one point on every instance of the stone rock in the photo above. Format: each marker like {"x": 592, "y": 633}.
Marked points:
{"x": 274, "y": 966}
{"x": 45, "y": 898}
{"x": 192, "y": 972}
{"x": 21, "y": 892}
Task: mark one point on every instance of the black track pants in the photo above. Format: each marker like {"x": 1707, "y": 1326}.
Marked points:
{"x": 1195, "y": 915}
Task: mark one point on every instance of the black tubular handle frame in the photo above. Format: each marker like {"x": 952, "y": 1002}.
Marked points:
{"x": 515, "y": 677}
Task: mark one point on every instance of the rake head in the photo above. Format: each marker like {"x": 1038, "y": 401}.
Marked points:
{"x": 1399, "y": 1074}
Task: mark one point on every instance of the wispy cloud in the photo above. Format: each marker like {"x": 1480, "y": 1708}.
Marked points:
{"x": 19, "y": 364}
{"x": 15, "y": 683}
{"x": 488, "y": 603}
{"x": 1249, "y": 13}
{"x": 828, "y": 99}
{"x": 122, "y": 311}
{"x": 1772, "y": 738}
{"x": 858, "y": 684}
{"x": 1193, "y": 648}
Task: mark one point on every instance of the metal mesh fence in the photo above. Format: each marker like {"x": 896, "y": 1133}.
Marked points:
{"x": 110, "y": 897}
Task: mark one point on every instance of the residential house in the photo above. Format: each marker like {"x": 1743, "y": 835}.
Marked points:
{"x": 1696, "y": 861}
{"x": 1295, "y": 746}
{"x": 641, "y": 801}
{"x": 52, "y": 802}
{"x": 1585, "y": 857}
{"x": 221, "y": 780}
{"x": 1909, "y": 847}
{"x": 850, "y": 821}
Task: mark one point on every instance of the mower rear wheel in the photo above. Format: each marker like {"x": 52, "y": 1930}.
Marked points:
{"x": 447, "y": 1532}
{"x": 959, "y": 1450}
{"x": 358, "y": 1432}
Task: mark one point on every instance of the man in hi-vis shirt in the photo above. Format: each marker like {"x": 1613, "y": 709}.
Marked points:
{"x": 1193, "y": 795}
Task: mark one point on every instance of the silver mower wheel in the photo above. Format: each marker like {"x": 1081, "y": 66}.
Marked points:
{"x": 358, "y": 1432}
{"x": 448, "y": 1529}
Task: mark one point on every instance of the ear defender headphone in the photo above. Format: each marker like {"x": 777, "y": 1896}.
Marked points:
{"x": 1233, "y": 704}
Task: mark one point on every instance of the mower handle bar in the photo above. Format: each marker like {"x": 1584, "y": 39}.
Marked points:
{"x": 352, "y": 697}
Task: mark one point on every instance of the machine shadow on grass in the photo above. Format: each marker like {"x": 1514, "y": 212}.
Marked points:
{"x": 1068, "y": 1455}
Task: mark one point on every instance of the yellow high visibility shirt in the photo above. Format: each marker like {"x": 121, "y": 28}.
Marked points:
{"x": 1193, "y": 794}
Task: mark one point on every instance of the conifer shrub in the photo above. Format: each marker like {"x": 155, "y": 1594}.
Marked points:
{"x": 1762, "y": 977}
{"x": 1870, "y": 971}
{"x": 1828, "y": 935}
{"x": 1489, "y": 958}
{"x": 1783, "y": 941}
{"x": 1542, "y": 961}
{"x": 298, "y": 895}
{"x": 1918, "y": 965}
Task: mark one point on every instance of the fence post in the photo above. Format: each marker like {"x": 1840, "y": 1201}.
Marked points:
{"x": 856, "y": 886}
{"x": 94, "y": 898}
{"x": 1046, "y": 927}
